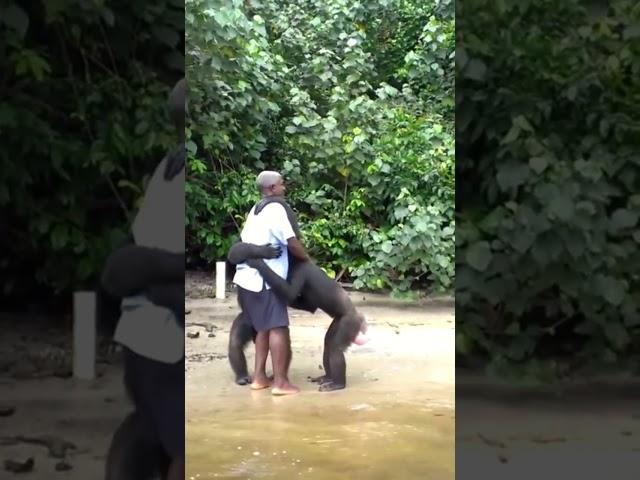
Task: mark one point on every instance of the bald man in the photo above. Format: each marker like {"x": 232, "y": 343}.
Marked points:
{"x": 264, "y": 310}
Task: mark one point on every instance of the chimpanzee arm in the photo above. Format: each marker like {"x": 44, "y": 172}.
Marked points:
{"x": 283, "y": 289}
{"x": 168, "y": 295}
{"x": 241, "y": 252}
{"x": 132, "y": 269}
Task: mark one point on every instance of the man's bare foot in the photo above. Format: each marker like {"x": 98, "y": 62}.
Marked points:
{"x": 285, "y": 389}
{"x": 260, "y": 383}
{"x": 321, "y": 379}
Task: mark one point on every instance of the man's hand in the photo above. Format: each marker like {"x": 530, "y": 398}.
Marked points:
{"x": 269, "y": 251}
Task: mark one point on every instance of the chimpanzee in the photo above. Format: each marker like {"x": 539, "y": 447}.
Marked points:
{"x": 308, "y": 288}
{"x": 133, "y": 454}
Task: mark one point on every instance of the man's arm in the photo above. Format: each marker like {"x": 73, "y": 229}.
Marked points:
{"x": 297, "y": 249}
{"x": 285, "y": 232}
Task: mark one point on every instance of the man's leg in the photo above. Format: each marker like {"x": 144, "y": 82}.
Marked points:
{"x": 260, "y": 379}
{"x": 290, "y": 356}
{"x": 268, "y": 315}
{"x": 253, "y": 305}
{"x": 280, "y": 347}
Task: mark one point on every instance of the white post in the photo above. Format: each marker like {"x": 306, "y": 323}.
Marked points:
{"x": 221, "y": 269}
{"x": 84, "y": 335}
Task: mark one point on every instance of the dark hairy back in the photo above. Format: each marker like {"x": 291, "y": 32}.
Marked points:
{"x": 324, "y": 292}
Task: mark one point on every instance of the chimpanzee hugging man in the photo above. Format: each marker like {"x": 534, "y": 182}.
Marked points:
{"x": 149, "y": 277}
{"x": 299, "y": 283}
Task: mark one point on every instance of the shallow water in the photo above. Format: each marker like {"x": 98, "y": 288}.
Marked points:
{"x": 290, "y": 438}
{"x": 395, "y": 419}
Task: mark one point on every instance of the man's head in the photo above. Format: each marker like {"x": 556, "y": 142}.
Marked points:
{"x": 270, "y": 184}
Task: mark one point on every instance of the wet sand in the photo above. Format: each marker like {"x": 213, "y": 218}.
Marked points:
{"x": 589, "y": 431}
{"x": 395, "y": 419}
{"x": 85, "y": 414}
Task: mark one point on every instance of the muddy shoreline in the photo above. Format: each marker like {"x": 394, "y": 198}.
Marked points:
{"x": 396, "y": 417}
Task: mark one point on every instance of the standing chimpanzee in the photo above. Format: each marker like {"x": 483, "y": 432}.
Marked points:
{"x": 308, "y": 288}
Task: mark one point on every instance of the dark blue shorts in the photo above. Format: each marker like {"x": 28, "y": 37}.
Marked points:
{"x": 157, "y": 390}
{"x": 263, "y": 310}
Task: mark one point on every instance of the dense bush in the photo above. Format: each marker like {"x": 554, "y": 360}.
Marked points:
{"x": 547, "y": 171}
{"x": 353, "y": 103}
{"x": 83, "y": 121}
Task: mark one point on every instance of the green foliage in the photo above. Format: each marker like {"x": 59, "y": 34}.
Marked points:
{"x": 83, "y": 123}
{"x": 547, "y": 231}
{"x": 333, "y": 94}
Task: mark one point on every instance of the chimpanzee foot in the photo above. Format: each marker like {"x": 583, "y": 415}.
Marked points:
{"x": 321, "y": 379}
{"x": 330, "y": 387}
{"x": 246, "y": 380}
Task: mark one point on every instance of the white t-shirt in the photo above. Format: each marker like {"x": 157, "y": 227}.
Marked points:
{"x": 160, "y": 221}
{"x": 270, "y": 226}
{"x": 145, "y": 328}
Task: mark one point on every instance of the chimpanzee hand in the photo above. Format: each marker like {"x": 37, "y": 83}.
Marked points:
{"x": 269, "y": 251}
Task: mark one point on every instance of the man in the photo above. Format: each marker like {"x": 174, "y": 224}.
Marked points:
{"x": 153, "y": 335}
{"x": 265, "y": 311}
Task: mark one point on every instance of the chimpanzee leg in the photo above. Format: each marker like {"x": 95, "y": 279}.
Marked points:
{"x": 241, "y": 334}
{"x": 133, "y": 455}
{"x": 331, "y": 332}
{"x": 348, "y": 328}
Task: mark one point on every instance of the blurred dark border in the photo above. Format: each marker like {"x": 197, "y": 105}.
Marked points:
{"x": 547, "y": 175}
{"x": 83, "y": 124}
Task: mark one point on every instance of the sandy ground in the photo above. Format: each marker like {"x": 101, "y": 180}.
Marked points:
{"x": 395, "y": 420}
{"x": 587, "y": 431}
{"x": 79, "y": 416}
